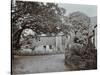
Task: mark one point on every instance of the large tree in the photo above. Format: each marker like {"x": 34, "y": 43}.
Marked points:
{"x": 81, "y": 54}
{"x": 38, "y": 16}
{"x": 80, "y": 25}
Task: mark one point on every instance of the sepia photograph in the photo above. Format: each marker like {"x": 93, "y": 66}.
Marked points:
{"x": 52, "y": 37}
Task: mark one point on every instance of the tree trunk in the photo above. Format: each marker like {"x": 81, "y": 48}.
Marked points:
{"x": 16, "y": 39}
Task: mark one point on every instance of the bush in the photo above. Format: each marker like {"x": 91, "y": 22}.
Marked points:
{"x": 81, "y": 57}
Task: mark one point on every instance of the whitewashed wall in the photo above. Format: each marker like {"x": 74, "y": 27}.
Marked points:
{"x": 58, "y": 43}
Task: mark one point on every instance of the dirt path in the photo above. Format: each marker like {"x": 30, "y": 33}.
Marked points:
{"x": 39, "y": 64}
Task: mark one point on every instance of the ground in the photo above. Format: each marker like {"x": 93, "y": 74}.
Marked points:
{"x": 39, "y": 64}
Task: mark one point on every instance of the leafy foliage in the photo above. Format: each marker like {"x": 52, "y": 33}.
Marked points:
{"x": 81, "y": 57}
{"x": 81, "y": 53}
{"x": 80, "y": 25}
{"x": 38, "y": 16}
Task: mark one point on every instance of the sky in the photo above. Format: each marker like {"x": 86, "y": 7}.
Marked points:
{"x": 89, "y": 10}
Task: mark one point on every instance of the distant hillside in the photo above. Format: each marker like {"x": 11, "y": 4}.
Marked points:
{"x": 94, "y": 20}
{"x": 93, "y": 23}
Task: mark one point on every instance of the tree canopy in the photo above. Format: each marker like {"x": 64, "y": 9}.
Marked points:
{"x": 38, "y": 16}
{"x": 41, "y": 17}
{"x": 79, "y": 21}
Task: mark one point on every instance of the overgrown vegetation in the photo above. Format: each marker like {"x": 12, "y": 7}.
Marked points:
{"x": 81, "y": 53}
{"x": 81, "y": 57}
{"x": 38, "y": 16}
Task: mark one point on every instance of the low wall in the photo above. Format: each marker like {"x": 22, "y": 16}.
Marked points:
{"x": 58, "y": 45}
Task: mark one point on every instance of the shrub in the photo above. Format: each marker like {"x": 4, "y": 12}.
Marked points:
{"x": 81, "y": 57}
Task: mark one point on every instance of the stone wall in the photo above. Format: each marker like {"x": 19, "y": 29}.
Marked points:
{"x": 45, "y": 44}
